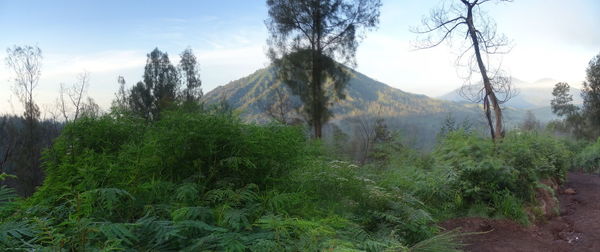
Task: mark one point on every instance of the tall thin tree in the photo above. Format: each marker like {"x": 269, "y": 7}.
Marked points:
{"x": 188, "y": 71}
{"x": 25, "y": 63}
{"x": 307, "y": 38}
{"x": 465, "y": 17}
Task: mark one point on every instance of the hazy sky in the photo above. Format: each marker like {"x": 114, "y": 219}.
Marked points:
{"x": 108, "y": 38}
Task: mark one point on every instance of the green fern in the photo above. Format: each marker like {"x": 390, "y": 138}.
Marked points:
{"x": 192, "y": 213}
{"x": 7, "y": 194}
{"x": 108, "y": 198}
{"x": 118, "y": 232}
{"x": 17, "y": 234}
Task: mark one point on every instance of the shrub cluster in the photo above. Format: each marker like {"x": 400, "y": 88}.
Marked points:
{"x": 588, "y": 159}
{"x": 497, "y": 178}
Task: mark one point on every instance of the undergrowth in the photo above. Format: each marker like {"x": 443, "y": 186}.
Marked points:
{"x": 208, "y": 182}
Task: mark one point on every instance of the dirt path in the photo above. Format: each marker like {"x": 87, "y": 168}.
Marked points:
{"x": 576, "y": 229}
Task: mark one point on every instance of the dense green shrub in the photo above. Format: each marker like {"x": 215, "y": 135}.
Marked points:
{"x": 497, "y": 178}
{"x": 588, "y": 159}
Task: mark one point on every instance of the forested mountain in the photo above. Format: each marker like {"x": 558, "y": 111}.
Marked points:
{"x": 415, "y": 116}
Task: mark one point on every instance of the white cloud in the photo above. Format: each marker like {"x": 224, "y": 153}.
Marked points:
{"x": 107, "y": 61}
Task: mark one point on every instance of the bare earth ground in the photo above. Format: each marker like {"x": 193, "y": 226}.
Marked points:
{"x": 576, "y": 229}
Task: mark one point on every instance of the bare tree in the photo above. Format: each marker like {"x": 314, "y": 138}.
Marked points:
{"x": 370, "y": 131}
{"x": 26, "y": 64}
{"x": 280, "y": 108}
{"x": 365, "y": 126}
{"x": 481, "y": 41}
{"x": 71, "y": 100}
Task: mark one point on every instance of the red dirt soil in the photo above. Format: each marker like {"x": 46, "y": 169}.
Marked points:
{"x": 576, "y": 229}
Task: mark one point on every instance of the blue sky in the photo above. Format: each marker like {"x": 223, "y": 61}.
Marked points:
{"x": 551, "y": 38}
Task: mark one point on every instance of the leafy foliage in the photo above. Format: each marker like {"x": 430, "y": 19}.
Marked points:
{"x": 503, "y": 176}
{"x": 588, "y": 159}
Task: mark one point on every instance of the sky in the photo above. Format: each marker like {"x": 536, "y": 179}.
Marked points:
{"x": 110, "y": 38}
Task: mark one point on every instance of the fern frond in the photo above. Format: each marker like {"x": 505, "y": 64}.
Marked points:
{"x": 107, "y": 197}
{"x": 7, "y": 194}
{"x": 118, "y": 231}
{"x": 20, "y": 233}
{"x": 188, "y": 192}
{"x": 191, "y": 213}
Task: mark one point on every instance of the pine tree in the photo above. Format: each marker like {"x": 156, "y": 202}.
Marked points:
{"x": 307, "y": 37}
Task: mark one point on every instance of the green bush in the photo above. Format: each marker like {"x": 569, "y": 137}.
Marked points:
{"x": 497, "y": 179}
{"x": 588, "y": 159}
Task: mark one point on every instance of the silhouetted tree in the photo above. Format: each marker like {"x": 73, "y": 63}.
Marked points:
{"x": 307, "y": 37}
{"x": 159, "y": 87}
{"x": 464, "y": 17}
{"x": 591, "y": 96}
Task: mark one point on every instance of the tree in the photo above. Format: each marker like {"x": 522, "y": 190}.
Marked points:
{"x": 188, "y": 71}
{"x": 367, "y": 131}
{"x": 481, "y": 41}
{"x": 281, "y": 108}
{"x": 591, "y": 96}
{"x": 306, "y": 39}
{"x": 530, "y": 123}
{"x": 25, "y": 63}
{"x": 121, "y": 102}
{"x": 159, "y": 87}
{"x": 562, "y": 103}
{"x": 73, "y": 107}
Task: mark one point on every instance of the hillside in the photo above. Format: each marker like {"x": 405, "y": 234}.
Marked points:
{"x": 415, "y": 116}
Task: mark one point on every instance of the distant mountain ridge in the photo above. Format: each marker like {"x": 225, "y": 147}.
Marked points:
{"x": 530, "y": 95}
